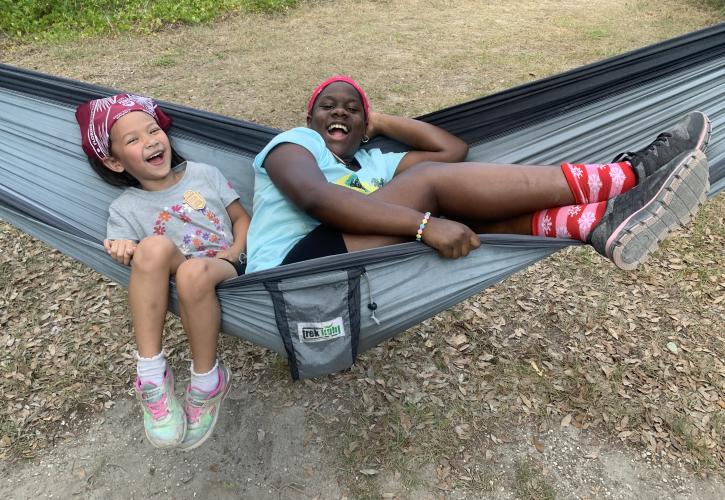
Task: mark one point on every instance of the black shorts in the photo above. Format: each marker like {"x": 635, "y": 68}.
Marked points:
{"x": 320, "y": 242}
{"x": 238, "y": 266}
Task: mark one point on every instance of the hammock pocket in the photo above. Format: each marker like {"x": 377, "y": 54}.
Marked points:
{"x": 322, "y": 313}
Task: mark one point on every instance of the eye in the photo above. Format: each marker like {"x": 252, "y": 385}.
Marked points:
{"x": 131, "y": 140}
{"x": 326, "y": 106}
{"x": 352, "y": 109}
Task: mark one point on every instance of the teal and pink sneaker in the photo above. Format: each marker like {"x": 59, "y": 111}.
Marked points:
{"x": 163, "y": 416}
{"x": 202, "y": 410}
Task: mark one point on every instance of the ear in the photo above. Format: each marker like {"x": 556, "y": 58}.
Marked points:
{"x": 113, "y": 164}
{"x": 309, "y": 119}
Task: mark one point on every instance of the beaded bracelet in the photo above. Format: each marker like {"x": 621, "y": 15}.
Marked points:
{"x": 419, "y": 236}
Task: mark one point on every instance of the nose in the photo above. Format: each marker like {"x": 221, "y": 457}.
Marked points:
{"x": 151, "y": 141}
{"x": 339, "y": 111}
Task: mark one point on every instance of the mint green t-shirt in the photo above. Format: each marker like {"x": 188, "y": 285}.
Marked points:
{"x": 277, "y": 224}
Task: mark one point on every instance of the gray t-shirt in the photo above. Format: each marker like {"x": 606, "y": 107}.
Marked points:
{"x": 192, "y": 212}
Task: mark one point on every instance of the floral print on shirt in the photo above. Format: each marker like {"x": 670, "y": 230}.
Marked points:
{"x": 199, "y": 239}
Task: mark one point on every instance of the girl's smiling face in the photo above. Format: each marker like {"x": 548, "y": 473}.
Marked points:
{"x": 140, "y": 147}
{"x": 339, "y": 117}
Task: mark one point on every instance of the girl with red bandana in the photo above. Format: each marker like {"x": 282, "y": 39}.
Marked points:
{"x": 175, "y": 218}
{"x": 317, "y": 193}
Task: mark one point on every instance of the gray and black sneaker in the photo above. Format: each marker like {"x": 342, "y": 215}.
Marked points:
{"x": 636, "y": 221}
{"x": 690, "y": 132}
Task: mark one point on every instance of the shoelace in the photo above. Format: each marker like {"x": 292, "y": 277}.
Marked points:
{"x": 159, "y": 409}
{"x": 633, "y": 156}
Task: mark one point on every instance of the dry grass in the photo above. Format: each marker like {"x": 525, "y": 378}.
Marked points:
{"x": 569, "y": 342}
{"x": 413, "y": 56}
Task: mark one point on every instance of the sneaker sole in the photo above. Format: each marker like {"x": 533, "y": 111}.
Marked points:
{"x": 704, "y": 139}
{"x": 216, "y": 416}
{"x": 676, "y": 202}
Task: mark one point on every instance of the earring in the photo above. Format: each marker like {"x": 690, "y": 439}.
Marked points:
{"x": 365, "y": 138}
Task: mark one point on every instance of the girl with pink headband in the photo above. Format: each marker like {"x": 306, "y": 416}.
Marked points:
{"x": 318, "y": 193}
{"x": 175, "y": 218}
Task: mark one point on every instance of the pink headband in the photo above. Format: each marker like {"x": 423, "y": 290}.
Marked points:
{"x": 339, "y": 78}
{"x": 96, "y": 118}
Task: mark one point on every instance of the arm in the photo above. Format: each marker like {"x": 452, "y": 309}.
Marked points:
{"x": 240, "y": 225}
{"x": 427, "y": 142}
{"x": 295, "y": 173}
{"x": 121, "y": 239}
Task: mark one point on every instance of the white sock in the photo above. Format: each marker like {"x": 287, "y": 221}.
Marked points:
{"x": 205, "y": 382}
{"x": 151, "y": 370}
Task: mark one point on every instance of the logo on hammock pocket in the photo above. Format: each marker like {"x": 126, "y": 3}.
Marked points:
{"x": 320, "y": 332}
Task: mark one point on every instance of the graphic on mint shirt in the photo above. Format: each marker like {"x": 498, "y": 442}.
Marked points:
{"x": 354, "y": 182}
{"x": 198, "y": 241}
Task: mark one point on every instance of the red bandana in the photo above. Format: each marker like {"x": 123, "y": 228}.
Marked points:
{"x": 339, "y": 78}
{"x": 96, "y": 118}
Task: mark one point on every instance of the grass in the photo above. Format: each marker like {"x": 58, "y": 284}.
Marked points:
{"x": 530, "y": 483}
{"x": 717, "y": 4}
{"x": 26, "y": 20}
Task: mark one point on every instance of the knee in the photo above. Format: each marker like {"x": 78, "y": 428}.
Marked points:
{"x": 152, "y": 253}
{"x": 193, "y": 280}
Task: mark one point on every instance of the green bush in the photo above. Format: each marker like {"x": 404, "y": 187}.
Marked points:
{"x": 62, "y": 19}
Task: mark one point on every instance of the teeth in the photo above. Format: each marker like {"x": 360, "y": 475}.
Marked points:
{"x": 154, "y": 156}
{"x": 337, "y": 126}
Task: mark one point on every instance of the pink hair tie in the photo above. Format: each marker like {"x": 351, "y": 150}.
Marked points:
{"x": 96, "y": 118}
{"x": 339, "y": 78}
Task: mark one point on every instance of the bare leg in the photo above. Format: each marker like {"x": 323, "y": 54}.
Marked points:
{"x": 482, "y": 192}
{"x": 196, "y": 281}
{"x": 515, "y": 225}
{"x": 489, "y": 197}
{"x": 154, "y": 260}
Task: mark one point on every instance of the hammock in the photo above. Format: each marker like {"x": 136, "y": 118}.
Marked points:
{"x": 321, "y": 313}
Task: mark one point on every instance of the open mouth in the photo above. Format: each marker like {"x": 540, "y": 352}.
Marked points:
{"x": 338, "y": 130}
{"x": 156, "y": 158}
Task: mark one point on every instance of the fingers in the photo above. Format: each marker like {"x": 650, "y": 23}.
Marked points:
{"x": 120, "y": 250}
{"x": 372, "y": 121}
{"x": 450, "y": 238}
{"x": 128, "y": 254}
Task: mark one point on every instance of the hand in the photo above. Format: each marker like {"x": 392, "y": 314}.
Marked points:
{"x": 373, "y": 119}
{"x": 230, "y": 253}
{"x": 451, "y": 239}
{"x": 120, "y": 250}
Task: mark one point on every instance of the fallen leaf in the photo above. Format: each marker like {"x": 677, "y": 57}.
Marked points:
{"x": 538, "y": 444}
{"x": 566, "y": 421}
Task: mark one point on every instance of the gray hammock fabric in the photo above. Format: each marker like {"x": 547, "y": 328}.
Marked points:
{"x": 321, "y": 313}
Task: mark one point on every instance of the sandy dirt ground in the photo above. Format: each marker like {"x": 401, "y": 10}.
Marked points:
{"x": 268, "y": 448}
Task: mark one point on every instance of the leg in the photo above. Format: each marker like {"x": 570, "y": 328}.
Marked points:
{"x": 516, "y": 225}
{"x": 499, "y": 198}
{"x": 196, "y": 281}
{"x": 483, "y": 195}
{"x": 479, "y": 191}
{"x": 155, "y": 259}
